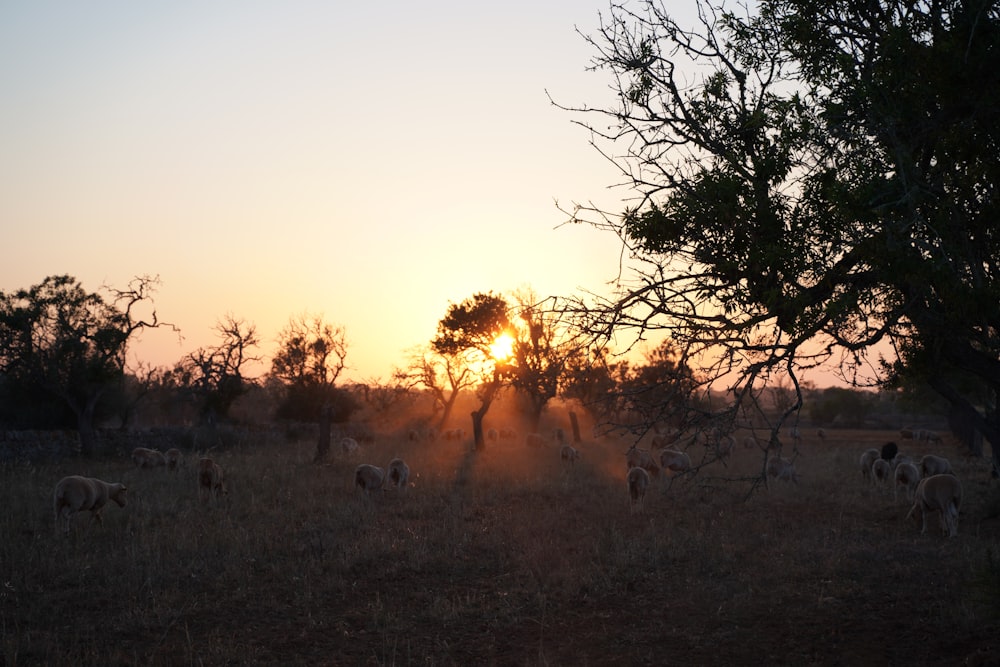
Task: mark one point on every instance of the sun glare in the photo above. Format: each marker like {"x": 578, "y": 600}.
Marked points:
{"x": 503, "y": 347}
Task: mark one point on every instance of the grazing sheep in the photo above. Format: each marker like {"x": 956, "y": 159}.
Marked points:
{"x": 938, "y": 493}
{"x": 638, "y": 481}
{"x": 881, "y": 472}
{"x": 934, "y": 465}
{"x": 174, "y": 458}
{"x": 211, "y": 480}
{"x": 76, "y": 494}
{"x": 399, "y": 473}
{"x": 369, "y": 478}
{"x": 349, "y": 445}
{"x": 889, "y": 451}
{"x": 148, "y": 458}
{"x": 569, "y": 454}
{"x": 783, "y": 469}
{"x": 492, "y": 435}
{"x": 867, "y": 459}
{"x": 901, "y": 459}
{"x": 676, "y": 462}
{"x": 414, "y": 435}
{"x": 906, "y": 475}
{"x": 508, "y": 434}
{"x": 640, "y": 458}
{"x": 906, "y": 433}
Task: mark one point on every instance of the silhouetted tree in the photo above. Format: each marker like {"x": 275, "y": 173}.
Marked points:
{"x": 311, "y": 356}
{"x": 812, "y": 178}
{"x": 470, "y": 329}
{"x": 70, "y": 344}
{"x": 214, "y": 376}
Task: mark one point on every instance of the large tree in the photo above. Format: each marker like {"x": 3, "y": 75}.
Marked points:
{"x": 471, "y": 329}
{"x": 814, "y": 180}
{"x": 57, "y": 338}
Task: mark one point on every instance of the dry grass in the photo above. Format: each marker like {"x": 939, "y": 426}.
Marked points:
{"x": 507, "y": 557}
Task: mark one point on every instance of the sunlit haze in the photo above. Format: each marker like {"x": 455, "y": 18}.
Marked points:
{"x": 366, "y": 162}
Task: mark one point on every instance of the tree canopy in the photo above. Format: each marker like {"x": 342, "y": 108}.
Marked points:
{"x": 816, "y": 181}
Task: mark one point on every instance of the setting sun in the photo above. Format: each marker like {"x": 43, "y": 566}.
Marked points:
{"x": 503, "y": 347}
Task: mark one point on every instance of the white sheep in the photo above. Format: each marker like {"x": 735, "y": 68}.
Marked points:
{"x": 675, "y": 462}
{"x": 881, "y": 472}
{"x": 934, "y": 465}
{"x": 349, "y": 445}
{"x": 906, "y": 475}
{"x": 211, "y": 480}
{"x": 399, "y": 473}
{"x": 640, "y": 458}
{"x": 148, "y": 458}
{"x": 867, "y": 459}
{"x": 783, "y": 469}
{"x": 174, "y": 458}
{"x": 938, "y": 493}
{"x": 369, "y": 478}
{"x": 638, "y": 481}
{"x": 569, "y": 453}
{"x": 76, "y": 494}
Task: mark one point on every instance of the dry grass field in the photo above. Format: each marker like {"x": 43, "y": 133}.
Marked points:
{"x": 505, "y": 557}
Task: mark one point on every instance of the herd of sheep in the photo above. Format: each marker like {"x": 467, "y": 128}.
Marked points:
{"x": 929, "y": 484}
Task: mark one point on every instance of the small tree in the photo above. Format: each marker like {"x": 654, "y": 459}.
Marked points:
{"x": 57, "y": 338}
{"x": 443, "y": 375}
{"x": 311, "y": 356}
{"x": 214, "y": 376}
{"x": 471, "y": 329}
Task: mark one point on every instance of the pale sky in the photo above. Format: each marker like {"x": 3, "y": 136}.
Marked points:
{"x": 367, "y": 162}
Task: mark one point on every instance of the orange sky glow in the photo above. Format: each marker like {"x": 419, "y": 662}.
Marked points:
{"x": 367, "y": 162}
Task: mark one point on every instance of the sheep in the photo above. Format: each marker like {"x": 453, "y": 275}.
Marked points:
{"x": 934, "y": 465}
{"x": 369, "y": 478}
{"x": 676, "y": 462}
{"x": 640, "y": 458}
{"x": 508, "y": 434}
{"x": 569, "y": 454}
{"x": 867, "y": 459}
{"x": 174, "y": 458}
{"x": 783, "y": 469}
{"x": 148, "y": 458}
{"x": 938, "y": 493}
{"x": 638, "y": 481}
{"x": 750, "y": 442}
{"x": 492, "y": 435}
{"x": 399, "y": 473}
{"x": 75, "y": 494}
{"x": 906, "y": 475}
{"x": 211, "y": 480}
{"x": 559, "y": 435}
{"x": 349, "y": 445}
{"x": 881, "y": 471}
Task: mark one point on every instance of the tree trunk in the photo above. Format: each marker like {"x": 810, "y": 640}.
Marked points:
{"x": 323, "y": 444}
{"x": 575, "y": 424}
{"x": 489, "y": 393}
{"x": 85, "y": 427}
